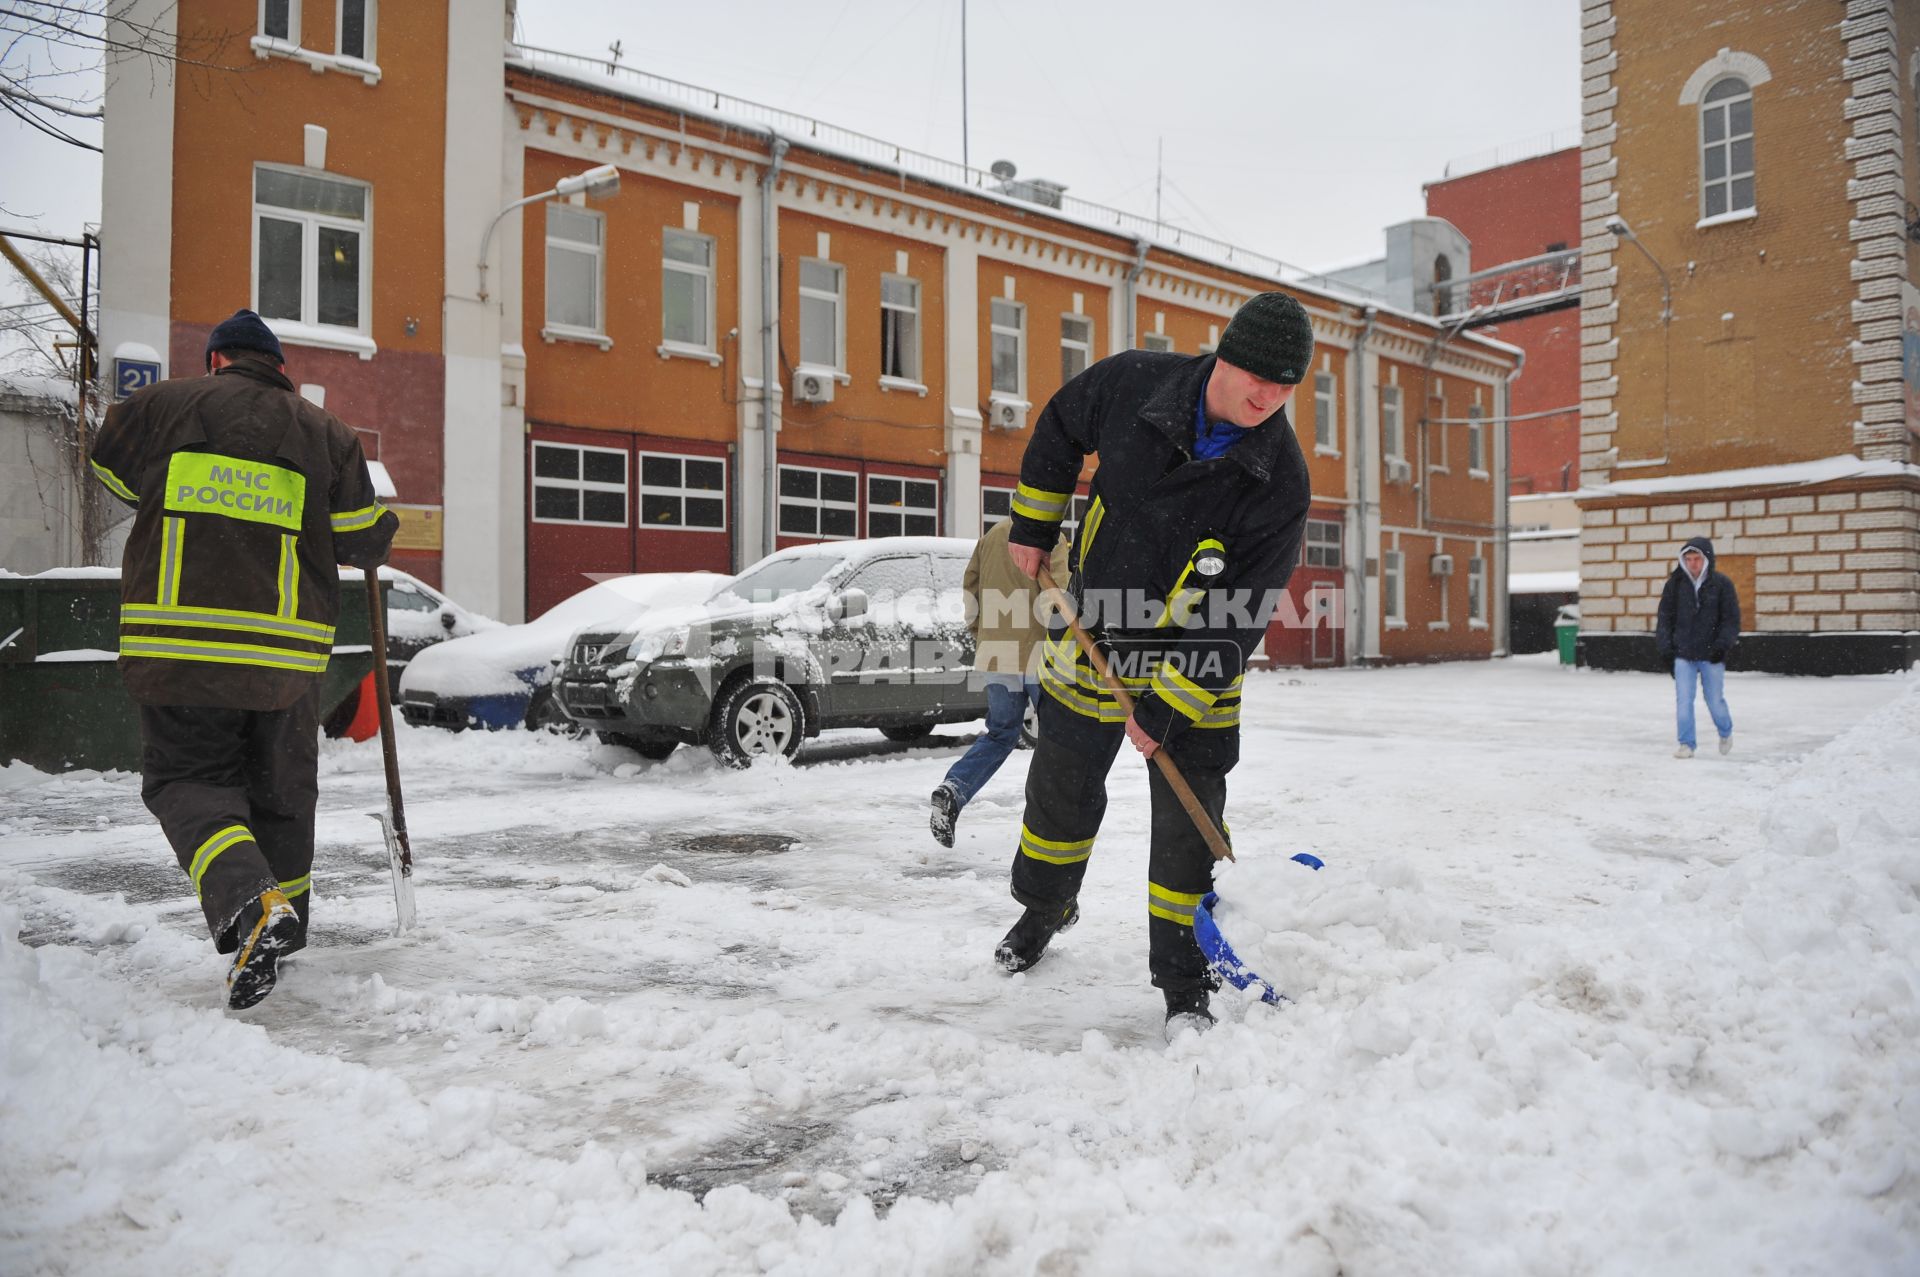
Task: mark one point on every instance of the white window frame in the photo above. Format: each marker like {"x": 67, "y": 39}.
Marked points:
{"x": 1724, "y": 106}
{"x": 1326, "y": 413}
{"x": 1160, "y": 342}
{"x": 818, "y": 503}
{"x": 839, "y": 299}
{"x": 1019, "y": 334}
{"x": 703, "y": 277}
{"x": 1393, "y": 588}
{"x": 597, "y": 331}
{"x": 986, "y": 520}
{"x": 684, "y": 493}
{"x": 1066, "y": 344}
{"x": 308, "y": 329}
{"x": 1393, "y": 442}
{"x": 1477, "y": 592}
{"x": 903, "y": 509}
{"x": 1477, "y": 442}
{"x": 915, "y": 376}
{"x": 582, "y": 485}
{"x": 1323, "y": 543}
{"x": 369, "y": 23}
{"x": 292, "y": 37}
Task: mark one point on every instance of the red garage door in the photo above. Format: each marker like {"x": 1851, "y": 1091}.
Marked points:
{"x": 1309, "y": 629}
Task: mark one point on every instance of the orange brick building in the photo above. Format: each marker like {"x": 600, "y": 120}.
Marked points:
{"x": 761, "y": 339}
{"x": 1750, "y": 264}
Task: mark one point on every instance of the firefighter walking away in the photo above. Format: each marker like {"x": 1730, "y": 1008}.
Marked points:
{"x": 246, "y": 497}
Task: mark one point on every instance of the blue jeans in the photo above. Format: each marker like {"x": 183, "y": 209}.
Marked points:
{"x": 1712, "y": 679}
{"x": 1008, "y": 696}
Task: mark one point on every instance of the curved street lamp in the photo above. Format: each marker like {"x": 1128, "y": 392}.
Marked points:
{"x": 601, "y": 180}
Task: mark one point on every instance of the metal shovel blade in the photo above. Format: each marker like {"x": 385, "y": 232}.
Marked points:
{"x": 400, "y": 865}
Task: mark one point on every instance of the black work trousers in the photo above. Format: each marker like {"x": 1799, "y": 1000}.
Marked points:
{"x": 234, "y": 790}
{"x": 1066, "y": 799}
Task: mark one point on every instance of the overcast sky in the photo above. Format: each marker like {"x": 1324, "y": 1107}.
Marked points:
{"x": 1294, "y": 128}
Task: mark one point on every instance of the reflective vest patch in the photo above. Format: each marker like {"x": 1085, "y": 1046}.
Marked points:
{"x": 208, "y": 483}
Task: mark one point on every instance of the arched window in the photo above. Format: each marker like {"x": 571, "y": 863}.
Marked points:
{"x": 1726, "y": 148}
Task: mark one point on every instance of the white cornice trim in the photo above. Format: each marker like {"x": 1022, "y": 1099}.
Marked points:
{"x": 1726, "y": 62}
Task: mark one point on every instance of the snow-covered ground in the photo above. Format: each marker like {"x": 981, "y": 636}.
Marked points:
{"x": 1562, "y": 1005}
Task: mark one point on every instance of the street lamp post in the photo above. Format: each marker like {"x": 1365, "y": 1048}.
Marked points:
{"x": 1618, "y": 225}
{"x": 601, "y": 180}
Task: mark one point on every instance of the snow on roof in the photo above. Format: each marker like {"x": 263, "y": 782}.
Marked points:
{"x": 1543, "y": 582}
{"x": 30, "y": 386}
{"x": 1793, "y": 474}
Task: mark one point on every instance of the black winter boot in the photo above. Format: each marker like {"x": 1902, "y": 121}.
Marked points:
{"x": 1187, "y": 1009}
{"x": 1024, "y": 945}
{"x": 265, "y": 928}
{"x": 946, "y": 811}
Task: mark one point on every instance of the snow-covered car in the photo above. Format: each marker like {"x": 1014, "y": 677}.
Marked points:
{"x": 839, "y": 634}
{"x": 418, "y": 617}
{"x": 500, "y": 678}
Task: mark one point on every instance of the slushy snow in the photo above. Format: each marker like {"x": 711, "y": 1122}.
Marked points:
{"x": 1559, "y": 1004}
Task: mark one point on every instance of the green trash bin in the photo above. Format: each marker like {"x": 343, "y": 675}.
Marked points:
{"x": 1566, "y": 633}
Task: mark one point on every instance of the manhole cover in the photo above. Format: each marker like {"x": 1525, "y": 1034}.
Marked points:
{"x": 743, "y": 844}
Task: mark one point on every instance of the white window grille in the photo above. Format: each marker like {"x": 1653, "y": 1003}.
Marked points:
{"x": 819, "y": 503}
{"x": 575, "y": 269}
{"x": 686, "y": 290}
{"x": 900, "y": 328}
{"x": 1476, "y": 589}
{"x": 1326, "y": 432}
{"x": 822, "y": 327}
{"x": 1393, "y": 586}
{"x": 1476, "y": 440}
{"x": 898, "y": 506}
{"x": 1390, "y": 442}
{"x": 1157, "y": 341}
{"x": 280, "y": 20}
{"x": 1007, "y": 321}
{"x": 579, "y": 484}
{"x": 683, "y": 492}
{"x": 310, "y": 260}
{"x": 1322, "y": 546}
{"x": 995, "y": 504}
{"x": 353, "y": 32}
{"x": 1076, "y": 345}
{"x": 1726, "y": 148}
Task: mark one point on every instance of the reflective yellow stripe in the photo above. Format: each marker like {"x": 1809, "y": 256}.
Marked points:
{"x": 169, "y": 649}
{"x": 1095, "y": 517}
{"x": 1052, "y": 850}
{"x": 1038, "y": 503}
{"x": 173, "y": 536}
{"x": 212, "y": 618}
{"x": 1225, "y": 713}
{"x": 355, "y": 520}
{"x": 1174, "y": 906}
{"x": 207, "y": 851}
{"x": 298, "y": 887}
{"x": 1107, "y": 711}
{"x": 113, "y": 483}
{"x": 289, "y": 575}
{"x": 1181, "y": 601}
{"x": 1181, "y": 692}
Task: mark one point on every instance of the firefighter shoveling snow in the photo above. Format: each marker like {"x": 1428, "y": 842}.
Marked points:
{"x": 1560, "y": 1004}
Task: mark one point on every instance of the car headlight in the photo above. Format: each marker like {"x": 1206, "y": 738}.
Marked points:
{"x": 659, "y": 643}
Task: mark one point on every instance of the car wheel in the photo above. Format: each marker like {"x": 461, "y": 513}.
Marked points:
{"x": 646, "y": 746}
{"x": 544, "y": 715}
{"x": 1030, "y": 726}
{"x": 911, "y": 731}
{"x": 755, "y": 717}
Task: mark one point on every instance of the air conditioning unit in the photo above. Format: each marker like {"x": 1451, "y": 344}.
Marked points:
{"x": 1007, "y": 414}
{"x": 1398, "y": 471}
{"x": 813, "y": 387}
{"x": 1441, "y": 565}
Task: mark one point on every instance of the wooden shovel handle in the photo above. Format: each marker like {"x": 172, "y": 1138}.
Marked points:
{"x": 377, "y": 630}
{"x": 1216, "y": 842}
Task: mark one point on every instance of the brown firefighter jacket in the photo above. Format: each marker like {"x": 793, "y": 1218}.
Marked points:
{"x": 1007, "y": 630}
{"x": 246, "y": 497}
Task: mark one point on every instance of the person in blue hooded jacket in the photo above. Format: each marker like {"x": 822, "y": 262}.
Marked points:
{"x": 1697, "y": 627}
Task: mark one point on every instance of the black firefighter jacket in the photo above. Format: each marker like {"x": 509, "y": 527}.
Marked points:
{"x": 1698, "y": 625}
{"x": 247, "y": 496}
{"x": 1189, "y": 556}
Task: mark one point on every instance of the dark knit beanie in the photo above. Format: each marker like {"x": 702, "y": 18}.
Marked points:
{"x": 245, "y": 330}
{"x": 1270, "y": 337}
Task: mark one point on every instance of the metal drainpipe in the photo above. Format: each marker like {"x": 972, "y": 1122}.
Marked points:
{"x": 1357, "y": 376}
{"x": 1502, "y": 514}
{"x": 769, "y": 350}
{"x": 1127, "y": 291}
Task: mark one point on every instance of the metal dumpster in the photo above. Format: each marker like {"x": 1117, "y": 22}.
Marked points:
{"x": 62, "y": 706}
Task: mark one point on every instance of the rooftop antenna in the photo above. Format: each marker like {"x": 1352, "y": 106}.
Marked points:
{"x": 617, "y": 53}
{"x": 1159, "y": 170}
{"x": 965, "y": 161}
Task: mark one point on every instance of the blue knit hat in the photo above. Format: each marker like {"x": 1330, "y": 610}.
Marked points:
{"x": 244, "y": 330}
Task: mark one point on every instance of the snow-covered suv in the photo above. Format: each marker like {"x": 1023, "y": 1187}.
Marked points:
{"x": 837, "y": 634}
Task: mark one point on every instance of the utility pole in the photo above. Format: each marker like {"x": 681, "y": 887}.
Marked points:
{"x": 965, "y": 158}
{"x": 85, "y": 369}
{"x": 1159, "y": 171}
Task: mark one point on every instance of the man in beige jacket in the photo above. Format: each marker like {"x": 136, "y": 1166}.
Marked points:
{"x": 1007, "y": 630}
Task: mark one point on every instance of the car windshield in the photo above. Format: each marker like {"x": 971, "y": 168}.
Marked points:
{"x": 777, "y": 578}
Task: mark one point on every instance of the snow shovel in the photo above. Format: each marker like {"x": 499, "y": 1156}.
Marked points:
{"x": 393, "y": 821}
{"x": 1206, "y": 932}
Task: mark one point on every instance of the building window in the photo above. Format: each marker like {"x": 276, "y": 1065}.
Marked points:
{"x": 575, "y": 252}
{"x": 902, "y": 507}
{"x": 1392, "y": 587}
{"x": 686, "y": 290}
{"x": 1322, "y": 546}
{"x": 1476, "y": 440}
{"x": 819, "y": 503}
{"x": 1157, "y": 341}
{"x": 1007, "y": 322}
{"x": 1076, "y": 346}
{"x": 995, "y": 504}
{"x": 1476, "y": 589}
{"x": 900, "y": 328}
{"x": 1325, "y": 423}
{"x": 354, "y": 37}
{"x": 1726, "y": 148}
{"x": 310, "y": 266}
{"x": 579, "y": 484}
{"x": 822, "y": 333}
{"x": 683, "y": 492}
{"x": 280, "y": 20}
{"x": 1390, "y": 442}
